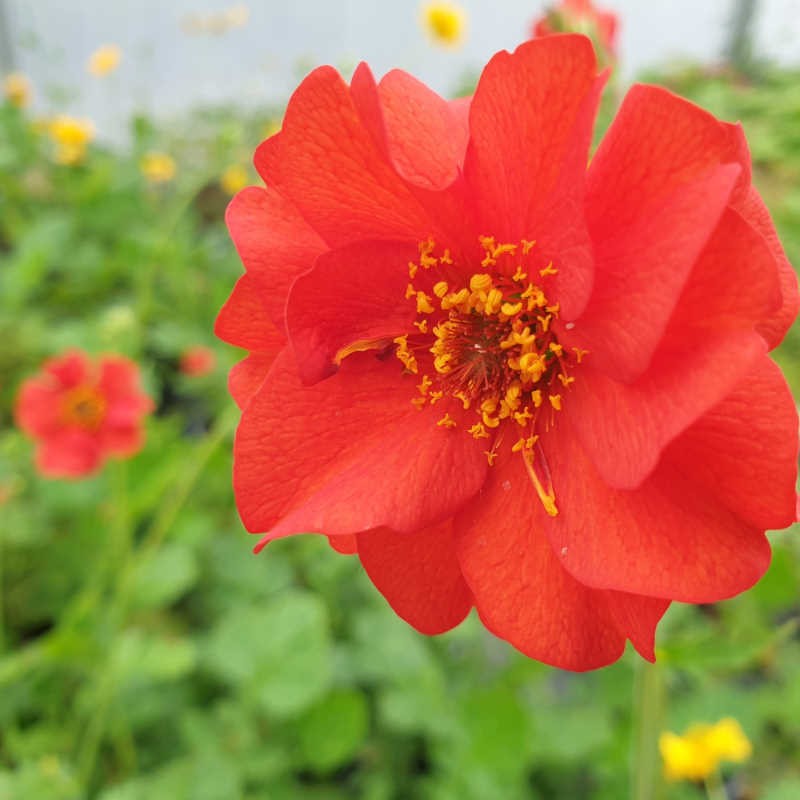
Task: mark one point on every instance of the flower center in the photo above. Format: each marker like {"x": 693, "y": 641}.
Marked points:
{"x": 83, "y": 407}
{"x": 488, "y": 342}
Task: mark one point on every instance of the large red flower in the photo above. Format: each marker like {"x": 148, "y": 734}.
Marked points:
{"x": 82, "y": 412}
{"x": 581, "y": 16}
{"x": 510, "y": 381}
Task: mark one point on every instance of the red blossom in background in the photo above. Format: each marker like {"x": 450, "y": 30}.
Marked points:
{"x": 508, "y": 381}
{"x": 197, "y": 361}
{"x": 581, "y": 16}
{"x": 82, "y": 413}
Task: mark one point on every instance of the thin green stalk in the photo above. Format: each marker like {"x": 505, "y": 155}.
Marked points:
{"x": 715, "y": 788}
{"x": 648, "y": 709}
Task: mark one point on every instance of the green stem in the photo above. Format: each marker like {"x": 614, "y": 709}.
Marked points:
{"x": 648, "y": 702}
{"x": 715, "y": 788}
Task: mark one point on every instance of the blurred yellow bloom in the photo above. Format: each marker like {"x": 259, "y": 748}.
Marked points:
{"x": 698, "y": 752}
{"x": 17, "y": 89}
{"x": 71, "y": 137}
{"x": 233, "y": 179}
{"x": 445, "y": 22}
{"x": 158, "y": 167}
{"x": 217, "y": 23}
{"x": 104, "y": 60}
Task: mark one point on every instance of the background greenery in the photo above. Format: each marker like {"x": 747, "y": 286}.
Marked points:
{"x": 146, "y": 654}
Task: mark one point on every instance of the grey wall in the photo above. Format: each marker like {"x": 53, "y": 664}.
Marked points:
{"x": 165, "y": 69}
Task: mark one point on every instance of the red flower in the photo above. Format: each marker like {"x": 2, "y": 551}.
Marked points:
{"x": 510, "y": 381}
{"x": 581, "y": 16}
{"x": 197, "y": 361}
{"x": 82, "y": 413}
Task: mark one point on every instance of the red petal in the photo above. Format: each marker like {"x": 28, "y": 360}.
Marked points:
{"x": 69, "y": 454}
{"x": 744, "y": 451}
{"x": 38, "y": 406}
{"x": 349, "y": 454}
{"x": 70, "y": 369}
{"x": 752, "y": 208}
{"x": 331, "y": 168}
{"x": 246, "y": 377}
{"x": 655, "y": 193}
{"x": 274, "y": 243}
{"x": 531, "y": 124}
{"x": 353, "y": 293}
{"x": 345, "y": 544}
{"x": 522, "y": 593}
{"x": 418, "y": 574}
{"x": 121, "y": 441}
{"x": 243, "y": 320}
{"x": 705, "y": 350}
{"x": 669, "y": 538}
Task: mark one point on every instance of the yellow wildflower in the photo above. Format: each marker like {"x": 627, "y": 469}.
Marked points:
{"x": 158, "y": 167}
{"x": 104, "y": 60}
{"x": 697, "y": 754}
{"x": 233, "y": 179}
{"x": 71, "y": 137}
{"x": 445, "y": 22}
{"x": 17, "y": 89}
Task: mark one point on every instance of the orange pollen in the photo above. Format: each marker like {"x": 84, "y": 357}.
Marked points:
{"x": 83, "y": 407}
{"x": 485, "y": 345}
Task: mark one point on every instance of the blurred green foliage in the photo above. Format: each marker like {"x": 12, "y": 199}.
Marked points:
{"x": 146, "y": 654}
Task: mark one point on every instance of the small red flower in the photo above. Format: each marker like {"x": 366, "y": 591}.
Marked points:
{"x": 81, "y": 413}
{"x": 581, "y": 16}
{"x": 197, "y": 361}
{"x": 510, "y": 381}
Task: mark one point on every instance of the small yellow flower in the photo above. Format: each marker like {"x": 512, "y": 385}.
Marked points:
{"x": 104, "y": 60}
{"x": 233, "y": 179}
{"x": 445, "y": 23}
{"x": 158, "y": 167}
{"x": 71, "y": 137}
{"x": 17, "y": 89}
{"x": 698, "y": 752}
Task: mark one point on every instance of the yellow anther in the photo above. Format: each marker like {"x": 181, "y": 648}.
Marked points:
{"x": 519, "y": 275}
{"x": 360, "y": 346}
{"x": 531, "y": 366}
{"x": 422, "y": 325}
{"x": 494, "y": 299}
{"x": 419, "y": 402}
{"x": 428, "y": 261}
{"x": 488, "y": 243}
{"x": 464, "y": 398}
{"x": 424, "y": 304}
{"x": 503, "y": 249}
{"x": 565, "y": 379}
{"x": 536, "y": 397}
{"x": 445, "y": 258}
{"x": 424, "y": 385}
{"x": 548, "y": 270}
{"x": 554, "y": 309}
{"x": 435, "y": 397}
{"x": 447, "y": 422}
{"x": 556, "y": 348}
{"x": 511, "y": 309}
{"x": 527, "y": 246}
{"x": 455, "y": 299}
{"x": 544, "y": 322}
{"x": 555, "y": 401}
{"x": 478, "y": 431}
{"x": 440, "y": 289}
{"x": 579, "y": 354}
{"x": 547, "y": 496}
{"x": 410, "y": 291}
{"x": 524, "y": 444}
{"x": 491, "y": 455}
{"x": 481, "y": 282}
{"x": 442, "y": 363}
{"x": 489, "y": 421}
{"x": 522, "y": 417}
{"x": 412, "y": 270}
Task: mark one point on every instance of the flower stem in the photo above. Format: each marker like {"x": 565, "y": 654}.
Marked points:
{"x": 715, "y": 788}
{"x": 648, "y": 705}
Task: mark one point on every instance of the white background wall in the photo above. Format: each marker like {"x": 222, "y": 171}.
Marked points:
{"x": 165, "y": 69}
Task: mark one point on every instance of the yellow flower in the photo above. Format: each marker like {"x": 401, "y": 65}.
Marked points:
{"x": 104, "y": 60}
{"x": 233, "y": 179}
{"x": 445, "y": 22}
{"x": 71, "y": 137}
{"x": 698, "y": 753}
{"x": 17, "y": 89}
{"x": 158, "y": 167}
